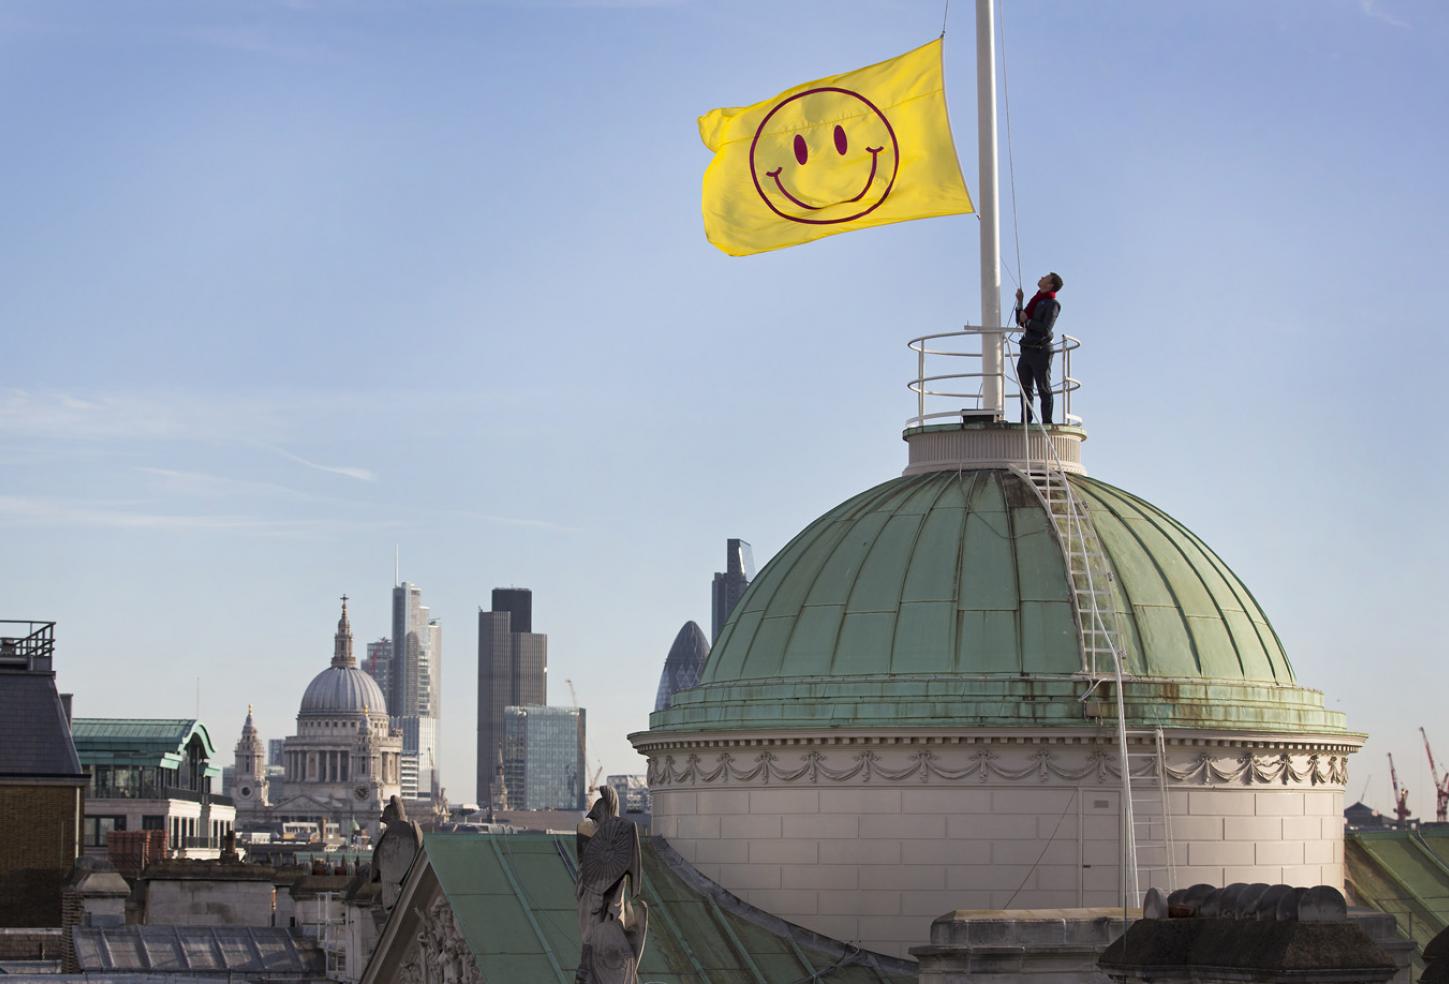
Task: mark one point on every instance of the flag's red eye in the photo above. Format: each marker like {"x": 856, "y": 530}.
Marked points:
{"x": 840, "y": 140}
{"x": 802, "y": 152}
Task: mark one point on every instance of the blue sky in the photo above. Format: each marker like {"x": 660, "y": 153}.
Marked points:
{"x": 286, "y": 284}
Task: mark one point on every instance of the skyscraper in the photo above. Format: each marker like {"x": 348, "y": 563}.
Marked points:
{"x": 683, "y": 665}
{"x": 729, "y": 586}
{"x": 417, "y": 658}
{"x": 378, "y": 662}
{"x": 414, "y": 681}
{"x": 543, "y": 757}
{"x": 512, "y": 672}
{"x": 420, "y": 743}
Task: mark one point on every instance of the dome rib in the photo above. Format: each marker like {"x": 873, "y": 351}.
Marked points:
{"x": 1174, "y": 539}
{"x": 910, "y": 565}
{"x": 935, "y": 602}
{"x": 932, "y": 573}
{"x": 1248, "y": 604}
{"x": 773, "y": 580}
{"x": 342, "y": 690}
{"x": 1161, "y": 574}
{"x": 1278, "y": 669}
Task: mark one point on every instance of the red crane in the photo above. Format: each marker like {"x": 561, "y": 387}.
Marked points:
{"x": 1441, "y": 783}
{"x": 1401, "y": 795}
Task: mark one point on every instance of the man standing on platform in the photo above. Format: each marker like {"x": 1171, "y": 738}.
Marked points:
{"x": 1034, "y": 367}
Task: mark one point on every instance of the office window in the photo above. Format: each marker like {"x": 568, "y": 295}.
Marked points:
{"x": 98, "y": 829}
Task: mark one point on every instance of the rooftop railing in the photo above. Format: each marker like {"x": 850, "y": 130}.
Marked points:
{"x": 30, "y": 648}
{"x": 945, "y": 392}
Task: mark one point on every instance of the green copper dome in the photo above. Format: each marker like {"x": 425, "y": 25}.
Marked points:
{"x": 943, "y": 598}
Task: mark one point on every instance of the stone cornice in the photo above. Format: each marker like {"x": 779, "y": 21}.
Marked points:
{"x": 649, "y": 742}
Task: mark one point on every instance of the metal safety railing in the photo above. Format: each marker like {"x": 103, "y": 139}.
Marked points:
{"x": 30, "y": 647}
{"x": 942, "y": 394}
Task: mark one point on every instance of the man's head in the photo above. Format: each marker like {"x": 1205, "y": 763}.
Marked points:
{"x": 1051, "y": 282}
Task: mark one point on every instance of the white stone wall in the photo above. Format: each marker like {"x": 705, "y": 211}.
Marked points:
{"x": 198, "y": 902}
{"x": 877, "y": 860}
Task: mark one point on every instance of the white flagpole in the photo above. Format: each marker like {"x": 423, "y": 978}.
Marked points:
{"x": 987, "y": 207}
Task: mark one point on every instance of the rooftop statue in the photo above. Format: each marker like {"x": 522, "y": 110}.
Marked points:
{"x": 613, "y": 919}
{"x": 397, "y": 846}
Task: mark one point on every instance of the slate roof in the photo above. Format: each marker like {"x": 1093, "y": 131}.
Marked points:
{"x": 512, "y": 897}
{"x": 35, "y": 739}
{"x": 197, "y": 949}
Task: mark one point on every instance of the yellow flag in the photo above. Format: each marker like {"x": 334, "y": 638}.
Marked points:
{"x": 860, "y": 149}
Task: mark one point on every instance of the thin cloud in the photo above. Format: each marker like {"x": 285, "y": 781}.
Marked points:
{"x": 62, "y": 416}
{"x": 525, "y": 521}
{"x": 179, "y": 482}
{"x": 34, "y": 511}
{"x": 251, "y": 41}
{"x": 56, "y": 512}
{"x": 347, "y": 471}
{"x": 1372, "y": 9}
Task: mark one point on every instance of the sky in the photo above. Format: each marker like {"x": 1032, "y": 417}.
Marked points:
{"x": 288, "y": 286}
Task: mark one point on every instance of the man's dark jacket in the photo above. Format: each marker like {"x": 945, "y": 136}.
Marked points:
{"x": 1037, "y": 332}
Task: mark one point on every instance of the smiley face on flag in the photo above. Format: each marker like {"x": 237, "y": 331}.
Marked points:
{"x": 850, "y": 151}
{"x": 824, "y": 156}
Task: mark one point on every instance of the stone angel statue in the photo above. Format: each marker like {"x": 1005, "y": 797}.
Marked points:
{"x": 396, "y": 849}
{"x": 613, "y": 919}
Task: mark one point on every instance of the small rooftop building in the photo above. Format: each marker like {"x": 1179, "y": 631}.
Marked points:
{"x": 42, "y": 785}
{"x": 153, "y": 774}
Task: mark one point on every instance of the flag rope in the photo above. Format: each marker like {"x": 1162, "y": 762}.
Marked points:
{"x": 1010, "y": 150}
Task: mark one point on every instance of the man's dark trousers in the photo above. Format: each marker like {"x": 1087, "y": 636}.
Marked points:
{"x": 1034, "y": 370}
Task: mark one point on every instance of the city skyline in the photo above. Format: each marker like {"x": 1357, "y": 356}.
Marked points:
{"x": 223, "y": 222}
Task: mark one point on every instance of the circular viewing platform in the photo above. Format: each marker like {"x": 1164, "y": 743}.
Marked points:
{"x": 966, "y": 383}
{"x": 991, "y": 444}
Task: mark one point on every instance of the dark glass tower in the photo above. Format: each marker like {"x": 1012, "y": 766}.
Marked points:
{"x": 729, "y": 586}
{"x": 512, "y": 672}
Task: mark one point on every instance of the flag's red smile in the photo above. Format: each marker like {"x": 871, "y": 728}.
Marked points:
{"x": 874, "y": 163}
{"x": 827, "y": 120}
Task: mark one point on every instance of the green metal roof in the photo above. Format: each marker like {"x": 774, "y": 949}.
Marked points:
{"x": 513, "y": 900}
{"x": 139, "y": 741}
{"x": 932, "y": 592}
{"x": 1404, "y": 873}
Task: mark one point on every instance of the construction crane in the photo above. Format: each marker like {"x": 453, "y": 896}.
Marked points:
{"x": 1401, "y": 795}
{"x": 1441, "y": 783}
{"x": 594, "y": 759}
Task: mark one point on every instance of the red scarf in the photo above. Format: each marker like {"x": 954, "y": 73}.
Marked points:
{"x": 1039, "y": 295}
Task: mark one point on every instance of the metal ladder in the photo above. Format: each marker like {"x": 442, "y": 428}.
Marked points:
{"x": 1087, "y": 569}
{"x": 1148, "y": 853}
{"x": 1151, "y": 813}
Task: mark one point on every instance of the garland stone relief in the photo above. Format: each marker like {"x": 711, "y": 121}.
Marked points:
{"x": 983, "y": 765}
